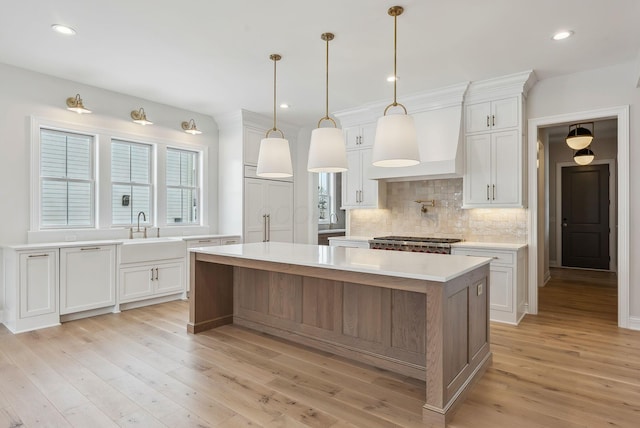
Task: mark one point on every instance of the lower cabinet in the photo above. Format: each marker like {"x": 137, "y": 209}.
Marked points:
{"x": 140, "y": 281}
{"x": 507, "y": 282}
{"x": 87, "y": 278}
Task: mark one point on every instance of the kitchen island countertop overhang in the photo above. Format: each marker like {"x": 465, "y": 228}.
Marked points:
{"x": 420, "y": 315}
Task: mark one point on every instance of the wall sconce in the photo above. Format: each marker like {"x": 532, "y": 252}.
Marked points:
{"x": 75, "y": 104}
{"x": 190, "y": 127}
{"x": 139, "y": 116}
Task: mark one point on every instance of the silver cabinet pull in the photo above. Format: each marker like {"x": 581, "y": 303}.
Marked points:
{"x": 156, "y": 274}
{"x": 38, "y": 255}
{"x": 268, "y": 227}
{"x": 204, "y": 240}
{"x": 264, "y": 228}
{"x": 494, "y": 192}
{"x": 151, "y": 270}
{"x": 488, "y": 121}
{"x": 487, "y": 192}
{"x": 493, "y": 120}
{"x": 89, "y": 249}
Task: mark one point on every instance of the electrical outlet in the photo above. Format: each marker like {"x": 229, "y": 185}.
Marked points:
{"x": 480, "y": 289}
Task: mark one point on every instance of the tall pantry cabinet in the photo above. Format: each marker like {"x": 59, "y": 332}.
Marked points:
{"x": 259, "y": 209}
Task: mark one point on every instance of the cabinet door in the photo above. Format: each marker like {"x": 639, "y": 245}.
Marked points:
{"x": 477, "y": 178}
{"x": 87, "y": 278}
{"x": 501, "y": 293}
{"x": 506, "y": 164}
{"x": 254, "y": 210}
{"x": 351, "y": 180}
{"x": 369, "y": 192}
{"x": 368, "y": 133}
{"x": 169, "y": 278}
{"x": 251, "y": 141}
{"x": 38, "y": 283}
{"x": 477, "y": 117}
{"x": 280, "y": 211}
{"x": 136, "y": 282}
{"x": 352, "y": 137}
{"x": 504, "y": 113}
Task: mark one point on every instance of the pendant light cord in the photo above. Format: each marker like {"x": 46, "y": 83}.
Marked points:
{"x": 327, "y": 37}
{"x": 395, "y": 11}
{"x": 275, "y": 58}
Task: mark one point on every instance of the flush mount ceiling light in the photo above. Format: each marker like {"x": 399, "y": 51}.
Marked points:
{"x": 75, "y": 104}
{"x": 139, "y": 116}
{"x": 392, "y": 79}
{"x": 327, "y": 152}
{"x": 274, "y": 157}
{"x": 561, "y": 35}
{"x": 190, "y": 127}
{"x": 63, "y": 29}
{"x": 284, "y": 106}
{"x": 584, "y": 156}
{"x": 396, "y": 141}
{"x": 579, "y": 137}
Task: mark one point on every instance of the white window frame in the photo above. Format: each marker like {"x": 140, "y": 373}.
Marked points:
{"x": 36, "y": 179}
{"x": 103, "y": 228}
{"x": 153, "y": 185}
{"x": 198, "y": 188}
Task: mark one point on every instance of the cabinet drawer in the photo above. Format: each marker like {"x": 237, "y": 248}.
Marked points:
{"x": 503, "y": 257}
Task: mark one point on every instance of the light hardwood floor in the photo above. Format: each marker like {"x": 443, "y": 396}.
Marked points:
{"x": 570, "y": 366}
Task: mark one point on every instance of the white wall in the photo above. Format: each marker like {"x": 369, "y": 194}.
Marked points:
{"x": 24, "y": 94}
{"x": 595, "y": 89}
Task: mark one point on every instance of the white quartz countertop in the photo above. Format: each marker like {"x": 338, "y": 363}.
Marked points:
{"x": 327, "y": 231}
{"x": 193, "y": 237}
{"x": 351, "y": 238}
{"x": 421, "y": 266}
{"x": 488, "y": 245}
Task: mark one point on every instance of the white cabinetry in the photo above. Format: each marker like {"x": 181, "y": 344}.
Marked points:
{"x": 359, "y": 136}
{"x": 87, "y": 278}
{"x": 240, "y": 134}
{"x": 357, "y": 190}
{"x": 140, "y": 281}
{"x": 207, "y": 241}
{"x": 495, "y": 128}
{"x": 507, "y": 285}
{"x": 268, "y": 214}
{"x": 493, "y": 176}
{"x": 31, "y": 289}
{"x": 492, "y": 115}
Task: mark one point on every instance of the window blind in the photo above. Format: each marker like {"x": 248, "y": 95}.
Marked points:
{"x": 183, "y": 203}
{"x": 131, "y": 186}
{"x": 66, "y": 180}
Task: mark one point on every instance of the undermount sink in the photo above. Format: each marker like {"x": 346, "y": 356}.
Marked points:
{"x": 150, "y": 249}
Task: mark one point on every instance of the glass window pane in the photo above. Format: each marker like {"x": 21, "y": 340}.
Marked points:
{"x": 131, "y": 174}
{"x": 174, "y": 206}
{"x": 140, "y": 164}
{"x": 53, "y": 206}
{"x": 120, "y": 162}
{"x": 79, "y": 204}
{"x": 182, "y": 187}
{"x": 173, "y": 168}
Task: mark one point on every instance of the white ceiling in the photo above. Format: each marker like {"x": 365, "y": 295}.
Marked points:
{"x": 213, "y": 57}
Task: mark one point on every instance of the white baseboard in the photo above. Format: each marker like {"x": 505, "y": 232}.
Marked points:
{"x": 634, "y": 323}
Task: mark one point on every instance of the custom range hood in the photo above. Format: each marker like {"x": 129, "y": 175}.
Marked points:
{"x": 439, "y": 124}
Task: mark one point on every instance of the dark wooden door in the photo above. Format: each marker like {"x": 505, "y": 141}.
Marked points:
{"x": 585, "y": 216}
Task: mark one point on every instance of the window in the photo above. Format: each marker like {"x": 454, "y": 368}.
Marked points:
{"x": 183, "y": 193}
{"x": 326, "y": 197}
{"x": 131, "y": 186}
{"x": 67, "y": 180}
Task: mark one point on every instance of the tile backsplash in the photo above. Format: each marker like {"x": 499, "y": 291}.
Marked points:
{"x": 447, "y": 219}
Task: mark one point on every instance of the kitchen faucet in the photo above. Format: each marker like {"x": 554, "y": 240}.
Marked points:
{"x": 144, "y": 217}
{"x": 331, "y": 217}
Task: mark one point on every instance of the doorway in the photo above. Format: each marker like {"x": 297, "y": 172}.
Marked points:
{"x": 541, "y": 225}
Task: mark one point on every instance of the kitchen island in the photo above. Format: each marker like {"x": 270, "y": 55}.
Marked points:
{"x": 421, "y": 315}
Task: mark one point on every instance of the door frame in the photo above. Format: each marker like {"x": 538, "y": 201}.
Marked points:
{"x": 622, "y": 114}
{"x": 612, "y": 208}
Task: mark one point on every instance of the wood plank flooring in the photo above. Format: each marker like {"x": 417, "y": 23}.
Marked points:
{"x": 568, "y": 367}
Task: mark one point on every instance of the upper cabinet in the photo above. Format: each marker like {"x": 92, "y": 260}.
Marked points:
{"x": 360, "y": 136}
{"x": 494, "y": 142}
{"x": 492, "y": 115}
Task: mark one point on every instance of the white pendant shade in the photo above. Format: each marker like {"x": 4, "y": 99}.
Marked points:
{"x": 396, "y": 142}
{"x": 274, "y": 158}
{"x": 584, "y": 157}
{"x": 579, "y": 142}
{"x": 327, "y": 152}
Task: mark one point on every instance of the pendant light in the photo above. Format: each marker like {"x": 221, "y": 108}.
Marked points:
{"x": 579, "y": 137}
{"x": 274, "y": 158}
{"x": 584, "y": 156}
{"x": 327, "y": 151}
{"x": 396, "y": 141}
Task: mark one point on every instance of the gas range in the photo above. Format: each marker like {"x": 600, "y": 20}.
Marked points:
{"x": 416, "y": 244}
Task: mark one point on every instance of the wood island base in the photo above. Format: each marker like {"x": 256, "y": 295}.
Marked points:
{"x": 434, "y": 331}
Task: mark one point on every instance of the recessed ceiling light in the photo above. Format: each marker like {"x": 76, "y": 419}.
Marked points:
{"x": 63, "y": 29}
{"x": 392, "y": 78}
{"x": 561, "y": 35}
{"x": 284, "y": 105}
